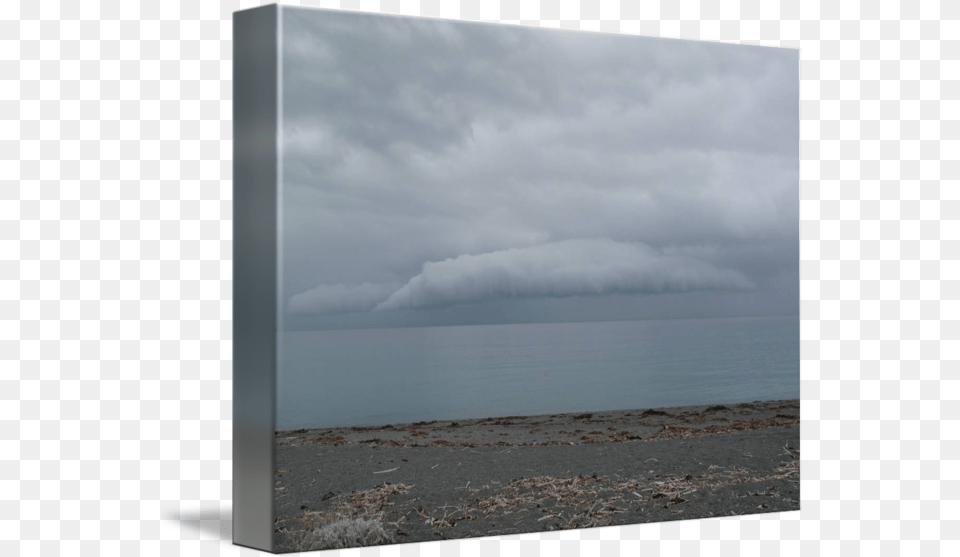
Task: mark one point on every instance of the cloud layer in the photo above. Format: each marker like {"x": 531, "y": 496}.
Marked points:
{"x": 340, "y": 298}
{"x": 556, "y": 270}
{"x": 409, "y": 140}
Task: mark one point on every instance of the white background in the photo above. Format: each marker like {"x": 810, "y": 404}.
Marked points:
{"x": 115, "y": 275}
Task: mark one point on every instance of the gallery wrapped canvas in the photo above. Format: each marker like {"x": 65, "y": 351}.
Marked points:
{"x": 495, "y": 279}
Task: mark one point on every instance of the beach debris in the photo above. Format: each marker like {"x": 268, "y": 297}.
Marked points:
{"x": 565, "y": 502}
{"x": 382, "y": 442}
{"x": 356, "y": 520}
{"x": 371, "y": 501}
{"x": 344, "y": 533}
{"x": 330, "y": 439}
{"x": 396, "y": 524}
{"x": 719, "y": 419}
{"x": 517, "y": 431}
{"x": 675, "y": 431}
{"x": 556, "y": 502}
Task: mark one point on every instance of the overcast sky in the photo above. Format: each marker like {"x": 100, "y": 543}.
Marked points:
{"x": 439, "y": 173}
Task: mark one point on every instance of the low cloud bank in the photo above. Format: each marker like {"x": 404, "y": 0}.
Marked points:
{"x": 340, "y": 298}
{"x": 560, "y": 269}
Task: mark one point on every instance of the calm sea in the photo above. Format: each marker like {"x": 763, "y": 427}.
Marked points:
{"x": 389, "y": 376}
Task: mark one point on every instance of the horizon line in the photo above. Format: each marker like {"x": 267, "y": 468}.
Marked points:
{"x": 539, "y": 323}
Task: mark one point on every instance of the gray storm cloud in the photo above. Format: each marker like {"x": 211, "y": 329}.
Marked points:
{"x": 585, "y": 267}
{"x": 471, "y": 146}
{"x": 340, "y": 298}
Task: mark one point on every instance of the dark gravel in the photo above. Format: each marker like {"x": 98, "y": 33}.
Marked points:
{"x": 465, "y": 479}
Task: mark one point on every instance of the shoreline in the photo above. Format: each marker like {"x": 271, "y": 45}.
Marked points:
{"x": 642, "y": 424}
{"x": 654, "y": 319}
{"x": 516, "y": 474}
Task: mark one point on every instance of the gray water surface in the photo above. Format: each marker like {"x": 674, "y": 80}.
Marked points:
{"x": 388, "y": 376}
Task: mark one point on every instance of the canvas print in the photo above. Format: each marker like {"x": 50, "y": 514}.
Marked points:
{"x": 530, "y": 280}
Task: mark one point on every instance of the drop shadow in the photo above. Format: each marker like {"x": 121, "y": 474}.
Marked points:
{"x": 210, "y": 522}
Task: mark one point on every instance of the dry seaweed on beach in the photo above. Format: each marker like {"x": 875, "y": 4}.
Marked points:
{"x": 681, "y": 431}
{"x": 371, "y": 501}
{"x": 464, "y": 478}
{"x": 597, "y": 428}
{"x": 593, "y": 500}
{"x": 356, "y": 520}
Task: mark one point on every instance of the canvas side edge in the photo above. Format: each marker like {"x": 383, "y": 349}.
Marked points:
{"x": 255, "y": 176}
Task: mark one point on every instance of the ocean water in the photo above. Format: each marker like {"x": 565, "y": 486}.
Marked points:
{"x": 390, "y": 376}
